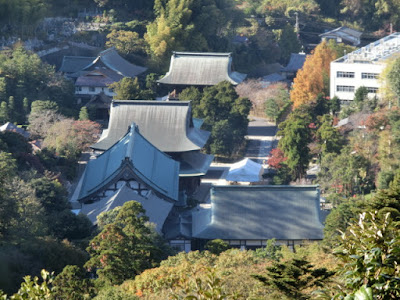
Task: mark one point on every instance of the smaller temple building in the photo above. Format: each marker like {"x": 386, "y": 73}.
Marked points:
{"x": 200, "y": 69}
{"x": 93, "y": 75}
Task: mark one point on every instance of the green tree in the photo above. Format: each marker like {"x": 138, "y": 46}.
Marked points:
{"x": 370, "y": 252}
{"x": 39, "y": 106}
{"x": 216, "y": 246}
{"x": 83, "y": 114}
{"x": 129, "y": 89}
{"x": 72, "y": 283}
{"x": 288, "y": 42}
{"x": 225, "y": 115}
{"x": 329, "y": 138}
{"x": 4, "y": 112}
{"x": 124, "y": 248}
{"x": 8, "y": 169}
{"x": 360, "y": 97}
{"x": 295, "y": 278}
{"x": 126, "y": 42}
{"x": 296, "y": 135}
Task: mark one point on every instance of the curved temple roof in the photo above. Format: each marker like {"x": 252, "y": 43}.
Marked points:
{"x": 150, "y": 165}
{"x": 189, "y": 68}
{"x": 260, "y": 213}
{"x": 167, "y": 125}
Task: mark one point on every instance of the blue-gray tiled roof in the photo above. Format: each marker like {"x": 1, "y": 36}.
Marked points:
{"x": 165, "y": 124}
{"x": 260, "y": 213}
{"x": 150, "y": 165}
{"x": 202, "y": 68}
{"x": 296, "y": 62}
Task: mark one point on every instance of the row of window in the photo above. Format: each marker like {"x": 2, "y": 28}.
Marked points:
{"x": 341, "y": 74}
{"x": 91, "y": 89}
{"x": 350, "y": 89}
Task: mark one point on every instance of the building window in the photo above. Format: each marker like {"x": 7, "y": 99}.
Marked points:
{"x": 345, "y": 74}
{"x": 369, "y": 75}
{"x": 92, "y": 89}
{"x": 78, "y": 89}
{"x": 372, "y": 90}
{"x": 345, "y": 88}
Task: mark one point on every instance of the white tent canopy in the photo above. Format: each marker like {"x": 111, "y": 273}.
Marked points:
{"x": 245, "y": 170}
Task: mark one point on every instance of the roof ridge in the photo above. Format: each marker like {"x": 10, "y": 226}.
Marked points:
{"x": 202, "y": 53}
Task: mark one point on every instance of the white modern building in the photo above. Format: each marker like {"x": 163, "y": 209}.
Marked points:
{"x": 362, "y": 68}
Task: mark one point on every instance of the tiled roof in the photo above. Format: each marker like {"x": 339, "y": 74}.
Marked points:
{"x": 11, "y": 127}
{"x": 109, "y": 57}
{"x": 344, "y": 32}
{"x": 156, "y": 208}
{"x": 260, "y": 213}
{"x": 98, "y": 78}
{"x": 189, "y": 68}
{"x": 150, "y": 165}
{"x": 73, "y": 64}
{"x": 296, "y": 62}
{"x": 165, "y": 124}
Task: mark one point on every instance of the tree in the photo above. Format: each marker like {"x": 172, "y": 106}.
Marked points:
{"x": 8, "y": 169}
{"x": 72, "y": 283}
{"x": 83, "y": 114}
{"x": 288, "y": 42}
{"x": 329, "y": 138}
{"x": 124, "y": 248}
{"x": 41, "y": 121}
{"x": 370, "y": 252}
{"x": 360, "y": 97}
{"x": 296, "y": 135}
{"x": 313, "y": 78}
{"x": 4, "y": 112}
{"x": 128, "y": 89}
{"x": 69, "y": 138}
{"x": 126, "y": 42}
{"x": 216, "y": 246}
{"x": 295, "y": 278}
{"x": 225, "y": 115}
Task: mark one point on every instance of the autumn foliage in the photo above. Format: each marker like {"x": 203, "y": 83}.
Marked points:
{"x": 313, "y": 78}
{"x": 276, "y": 158}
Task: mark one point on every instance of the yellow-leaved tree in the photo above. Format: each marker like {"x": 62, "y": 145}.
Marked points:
{"x": 313, "y": 78}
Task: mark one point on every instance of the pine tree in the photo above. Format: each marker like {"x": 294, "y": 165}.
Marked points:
{"x": 4, "y": 112}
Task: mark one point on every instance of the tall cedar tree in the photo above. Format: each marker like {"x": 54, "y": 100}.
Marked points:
{"x": 313, "y": 78}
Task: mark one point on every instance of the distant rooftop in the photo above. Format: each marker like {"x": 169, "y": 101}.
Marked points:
{"x": 375, "y": 52}
{"x": 260, "y": 212}
{"x": 296, "y": 62}
{"x": 201, "y": 68}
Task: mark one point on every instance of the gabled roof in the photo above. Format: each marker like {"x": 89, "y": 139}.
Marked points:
{"x": 156, "y": 208}
{"x": 115, "y": 62}
{"x": 73, "y": 64}
{"x": 109, "y": 57}
{"x": 100, "y": 100}
{"x": 11, "y": 127}
{"x": 343, "y": 32}
{"x": 203, "y": 68}
{"x": 133, "y": 151}
{"x": 260, "y": 213}
{"x": 165, "y": 124}
{"x": 296, "y": 62}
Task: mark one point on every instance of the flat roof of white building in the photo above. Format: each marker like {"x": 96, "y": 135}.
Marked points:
{"x": 375, "y": 52}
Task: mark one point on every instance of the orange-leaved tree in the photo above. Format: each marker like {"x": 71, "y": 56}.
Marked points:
{"x": 313, "y": 78}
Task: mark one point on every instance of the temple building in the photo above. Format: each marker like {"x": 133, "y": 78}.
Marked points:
{"x": 169, "y": 126}
{"x": 200, "y": 69}
{"x": 93, "y": 75}
{"x": 132, "y": 169}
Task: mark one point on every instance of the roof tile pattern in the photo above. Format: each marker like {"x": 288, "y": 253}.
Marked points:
{"x": 167, "y": 125}
{"x": 260, "y": 213}
{"x": 189, "y": 68}
{"x": 150, "y": 165}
